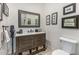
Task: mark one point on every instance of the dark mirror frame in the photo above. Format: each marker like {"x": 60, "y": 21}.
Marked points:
{"x": 26, "y": 12}
{"x": 77, "y": 22}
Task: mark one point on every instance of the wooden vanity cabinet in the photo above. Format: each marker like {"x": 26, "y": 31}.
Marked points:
{"x": 28, "y": 42}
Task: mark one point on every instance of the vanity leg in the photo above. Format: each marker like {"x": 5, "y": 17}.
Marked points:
{"x": 44, "y": 47}
{"x": 30, "y": 51}
{"x": 36, "y": 48}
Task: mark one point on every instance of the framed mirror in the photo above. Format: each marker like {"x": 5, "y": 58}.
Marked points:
{"x": 28, "y": 19}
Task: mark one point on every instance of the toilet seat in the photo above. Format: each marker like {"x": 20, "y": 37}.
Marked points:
{"x": 60, "y": 52}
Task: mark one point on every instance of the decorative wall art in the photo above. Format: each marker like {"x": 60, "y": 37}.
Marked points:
{"x": 70, "y": 22}
{"x": 48, "y": 20}
{"x": 54, "y": 18}
{"x": 5, "y": 9}
{"x": 69, "y": 9}
{"x": 0, "y": 11}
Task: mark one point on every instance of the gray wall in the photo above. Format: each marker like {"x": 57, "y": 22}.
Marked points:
{"x": 12, "y": 19}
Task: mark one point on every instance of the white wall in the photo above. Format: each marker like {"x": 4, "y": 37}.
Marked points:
{"x": 13, "y": 12}
{"x": 53, "y": 32}
{"x": 12, "y": 19}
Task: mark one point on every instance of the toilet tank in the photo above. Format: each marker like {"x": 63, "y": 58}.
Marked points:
{"x": 68, "y": 45}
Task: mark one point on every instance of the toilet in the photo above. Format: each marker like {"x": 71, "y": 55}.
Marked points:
{"x": 68, "y": 47}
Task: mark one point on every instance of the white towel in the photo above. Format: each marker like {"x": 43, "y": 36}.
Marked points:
{"x": 1, "y": 37}
{"x": 6, "y": 35}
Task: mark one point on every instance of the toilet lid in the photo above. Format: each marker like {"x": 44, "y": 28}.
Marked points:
{"x": 60, "y": 52}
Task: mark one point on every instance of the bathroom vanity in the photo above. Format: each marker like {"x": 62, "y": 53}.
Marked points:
{"x": 30, "y": 41}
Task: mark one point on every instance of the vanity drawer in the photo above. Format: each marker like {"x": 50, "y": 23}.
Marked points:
{"x": 38, "y": 42}
{"x": 24, "y": 42}
{"x": 23, "y": 49}
{"x": 39, "y": 36}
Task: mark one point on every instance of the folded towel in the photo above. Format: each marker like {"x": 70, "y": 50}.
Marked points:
{"x": 6, "y": 36}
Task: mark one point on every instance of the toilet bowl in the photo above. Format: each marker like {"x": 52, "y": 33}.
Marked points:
{"x": 60, "y": 52}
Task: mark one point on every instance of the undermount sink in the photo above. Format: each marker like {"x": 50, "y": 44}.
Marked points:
{"x": 29, "y": 33}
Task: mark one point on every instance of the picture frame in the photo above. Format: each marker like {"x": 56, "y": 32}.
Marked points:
{"x": 70, "y": 22}
{"x": 1, "y": 11}
{"x": 71, "y": 8}
{"x": 28, "y": 19}
{"x": 48, "y": 20}
{"x": 54, "y": 18}
{"x": 5, "y": 9}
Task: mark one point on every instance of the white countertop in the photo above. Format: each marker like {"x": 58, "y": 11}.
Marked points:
{"x": 17, "y": 35}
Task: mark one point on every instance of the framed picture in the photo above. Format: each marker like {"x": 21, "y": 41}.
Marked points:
{"x": 54, "y": 18}
{"x": 5, "y": 9}
{"x": 70, "y": 22}
{"x": 69, "y": 9}
{"x": 0, "y": 11}
{"x": 48, "y": 20}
